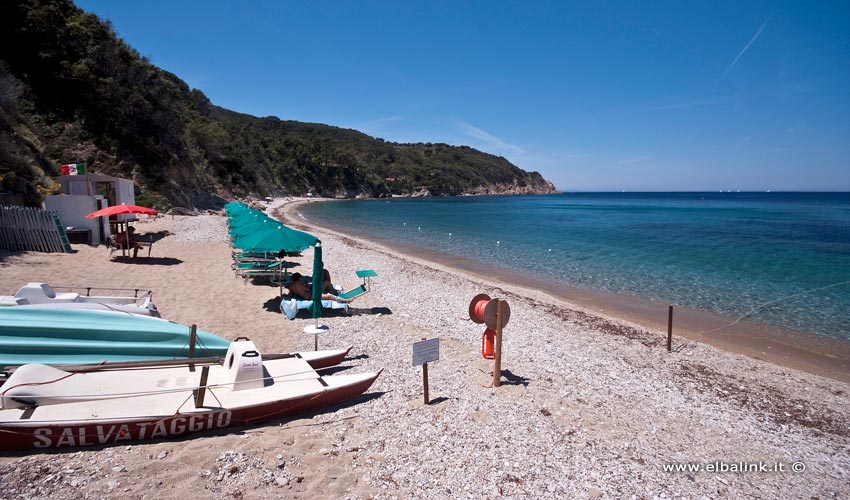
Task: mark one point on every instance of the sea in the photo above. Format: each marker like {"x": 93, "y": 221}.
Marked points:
{"x": 776, "y": 258}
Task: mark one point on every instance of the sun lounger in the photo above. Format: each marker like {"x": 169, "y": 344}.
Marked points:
{"x": 272, "y": 270}
{"x": 256, "y": 266}
{"x": 354, "y": 292}
{"x": 290, "y": 307}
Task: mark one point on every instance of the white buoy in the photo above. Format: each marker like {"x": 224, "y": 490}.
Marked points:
{"x": 404, "y": 223}
{"x": 450, "y": 235}
{"x": 498, "y": 242}
{"x": 419, "y": 228}
{"x": 550, "y": 249}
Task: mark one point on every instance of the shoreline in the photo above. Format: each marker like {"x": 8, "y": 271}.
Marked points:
{"x": 774, "y": 344}
{"x": 588, "y": 407}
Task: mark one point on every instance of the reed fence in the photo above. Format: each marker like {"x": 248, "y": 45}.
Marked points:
{"x": 35, "y": 229}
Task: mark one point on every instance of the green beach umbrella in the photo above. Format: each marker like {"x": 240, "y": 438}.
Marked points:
{"x": 275, "y": 239}
{"x": 318, "y": 265}
{"x": 246, "y": 229}
{"x": 246, "y": 218}
{"x": 316, "y": 307}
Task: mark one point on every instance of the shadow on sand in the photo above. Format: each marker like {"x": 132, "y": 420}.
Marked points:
{"x": 514, "y": 379}
{"x": 148, "y": 261}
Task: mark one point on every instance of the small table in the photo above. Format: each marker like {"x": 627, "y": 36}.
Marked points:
{"x": 366, "y": 274}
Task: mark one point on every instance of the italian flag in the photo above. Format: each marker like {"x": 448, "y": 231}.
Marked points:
{"x": 73, "y": 169}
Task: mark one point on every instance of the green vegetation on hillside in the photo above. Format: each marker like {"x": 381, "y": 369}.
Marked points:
{"x": 72, "y": 91}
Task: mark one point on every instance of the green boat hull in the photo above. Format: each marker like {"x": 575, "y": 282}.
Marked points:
{"x": 62, "y": 336}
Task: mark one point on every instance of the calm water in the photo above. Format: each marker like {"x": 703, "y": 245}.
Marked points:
{"x": 723, "y": 252}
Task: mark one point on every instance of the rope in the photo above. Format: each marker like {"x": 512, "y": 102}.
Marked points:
{"x": 774, "y": 302}
{"x": 3, "y": 394}
{"x": 121, "y": 395}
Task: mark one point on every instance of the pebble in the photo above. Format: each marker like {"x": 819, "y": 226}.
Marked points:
{"x": 623, "y": 408}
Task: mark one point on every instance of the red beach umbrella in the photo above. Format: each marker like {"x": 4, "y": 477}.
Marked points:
{"x": 122, "y": 209}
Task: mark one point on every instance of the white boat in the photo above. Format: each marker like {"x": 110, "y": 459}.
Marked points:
{"x": 46, "y": 407}
{"x": 41, "y": 295}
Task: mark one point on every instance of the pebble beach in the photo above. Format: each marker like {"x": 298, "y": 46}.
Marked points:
{"x": 590, "y": 406}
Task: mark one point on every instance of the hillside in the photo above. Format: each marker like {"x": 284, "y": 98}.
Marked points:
{"x": 72, "y": 91}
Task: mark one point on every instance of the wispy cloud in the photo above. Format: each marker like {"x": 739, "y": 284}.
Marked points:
{"x": 690, "y": 101}
{"x": 378, "y": 122}
{"x": 658, "y": 33}
{"x": 489, "y": 141}
{"x": 636, "y": 159}
{"x": 743, "y": 51}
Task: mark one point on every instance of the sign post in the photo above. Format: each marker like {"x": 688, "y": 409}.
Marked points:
{"x": 497, "y": 365}
{"x": 423, "y": 353}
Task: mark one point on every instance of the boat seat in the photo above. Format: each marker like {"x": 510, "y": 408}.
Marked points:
{"x": 13, "y": 301}
{"x": 39, "y": 293}
{"x": 243, "y": 365}
{"x": 29, "y": 385}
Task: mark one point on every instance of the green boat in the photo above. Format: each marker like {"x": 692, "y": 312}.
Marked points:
{"x": 67, "y": 336}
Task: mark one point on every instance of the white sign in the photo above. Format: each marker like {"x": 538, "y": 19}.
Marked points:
{"x": 426, "y": 351}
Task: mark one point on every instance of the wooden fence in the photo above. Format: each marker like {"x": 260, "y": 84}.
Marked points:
{"x": 26, "y": 228}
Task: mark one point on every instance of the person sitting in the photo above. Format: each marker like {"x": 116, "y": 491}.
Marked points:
{"x": 122, "y": 238}
{"x": 327, "y": 286}
{"x": 299, "y": 289}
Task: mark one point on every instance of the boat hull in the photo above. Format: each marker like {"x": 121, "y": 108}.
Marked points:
{"x": 24, "y": 435}
{"x": 47, "y": 407}
{"x": 68, "y": 336}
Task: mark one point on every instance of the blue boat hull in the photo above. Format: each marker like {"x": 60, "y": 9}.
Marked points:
{"x": 63, "y": 336}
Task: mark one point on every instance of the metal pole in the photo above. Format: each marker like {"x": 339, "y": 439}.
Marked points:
{"x": 669, "y": 328}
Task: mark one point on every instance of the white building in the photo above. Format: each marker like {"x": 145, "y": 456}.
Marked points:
{"x": 82, "y": 195}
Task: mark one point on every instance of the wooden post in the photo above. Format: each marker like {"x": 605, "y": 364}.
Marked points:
{"x": 669, "y": 328}
{"x": 425, "y": 379}
{"x": 192, "y": 338}
{"x": 497, "y": 366}
{"x": 200, "y": 392}
{"x": 425, "y": 382}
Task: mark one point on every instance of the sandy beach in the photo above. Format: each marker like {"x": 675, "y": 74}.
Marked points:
{"x": 591, "y": 406}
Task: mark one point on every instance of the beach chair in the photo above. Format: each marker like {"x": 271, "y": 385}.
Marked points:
{"x": 354, "y": 292}
{"x": 290, "y": 306}
{"x": 249, "y": 270}
{"x": 264, "y": 265}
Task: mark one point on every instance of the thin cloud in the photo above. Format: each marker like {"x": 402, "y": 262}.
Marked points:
{"x": 379, "y": 122}
{"x": 744, "y": 50}
{"x": 637, "y": 159}
{"x": 691, "y": 101}
{"x": 658, "y": 33}
{"x": 490, "y": 141}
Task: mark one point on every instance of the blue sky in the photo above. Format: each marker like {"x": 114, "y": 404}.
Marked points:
{"x": 635, "y": 96}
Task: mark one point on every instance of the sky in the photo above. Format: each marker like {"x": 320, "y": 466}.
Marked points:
{"x": 596, "y": 96}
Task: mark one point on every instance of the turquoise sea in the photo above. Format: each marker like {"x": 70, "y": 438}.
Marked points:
{"x": 786, "y": 255}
